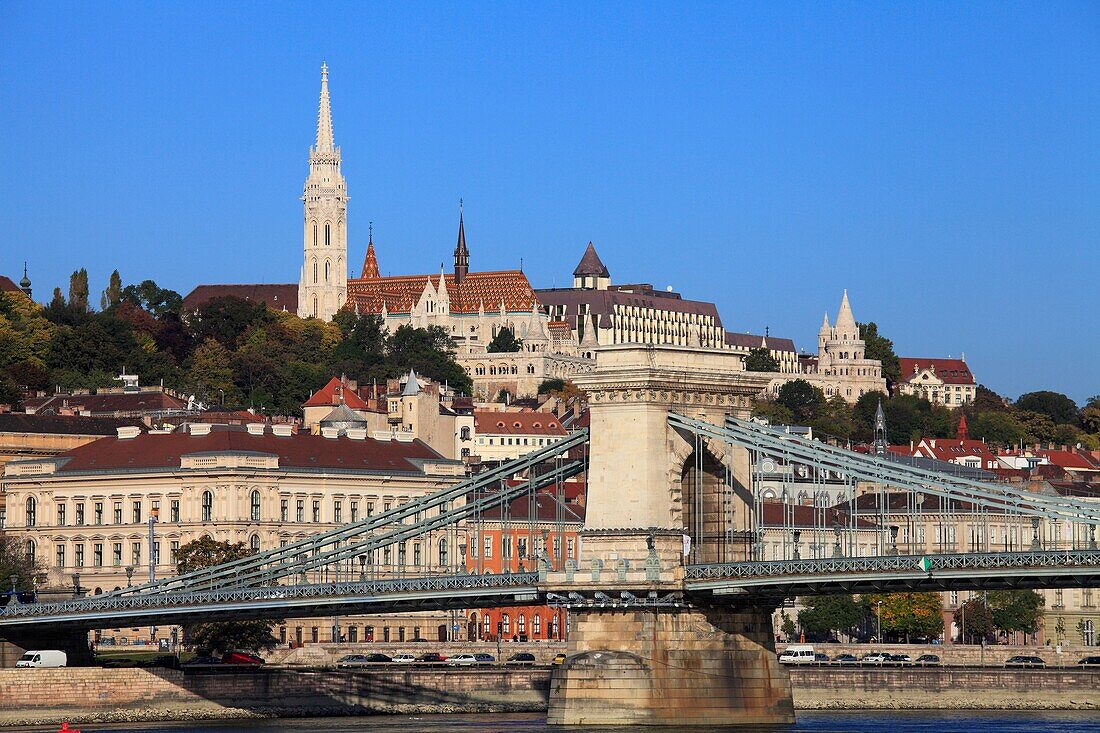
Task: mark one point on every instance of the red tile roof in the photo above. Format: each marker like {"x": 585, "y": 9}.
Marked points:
{"x": 277, "y": 297}
{"x": 7, "y": 285}
{"x": 478, "y": 289}
{"x": 1069, "y": 460}
{"x": 953, "y": 450}
{"x": 492, "y": 422}
{"x": 778, "y": 514}
{"x": 335, "y": 393}
{"x": 301, "y": 450}
{"x": 949, "y": 371}
{"x": 545, "y": 509}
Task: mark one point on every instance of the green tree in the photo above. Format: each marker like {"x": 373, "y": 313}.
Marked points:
{"x": 835, "y": 418}
{"x": 222, "y": 636}
{"x": 986, "y": 400}
{"x": 881, "y": 348}
{"x": 227, "y": 318}
{"x": 112, "y": 296}
{"x": 152, "y": 298}
{"x": 827, "y": 614}
{"x": 430, "y": 352}
{"x": 78, "y": 290}
{"x": 1060, "y": 409}
{"x": 761, "y": 360}
{"x": 804, "y": 400}
{"x": 210, "y": 374}
{"x": 14, "y": 561}
{"x": 998, "y": 428}
{"x": 773, "y": 412}
{"x": 1016, "y": 610}
{"x": 549, "y": 386}
{"x": 907, "y": 614}
{"x": 505, "y": 341}
{"x": 975, "y": 619}
{"x": 787, "y": 626}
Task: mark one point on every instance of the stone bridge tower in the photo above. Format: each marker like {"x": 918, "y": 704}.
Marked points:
{"x": 652, "y": 492}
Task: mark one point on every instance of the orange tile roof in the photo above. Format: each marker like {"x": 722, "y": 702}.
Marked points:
{"x": 331, "y": 394}
{"x": 400, "y": 293}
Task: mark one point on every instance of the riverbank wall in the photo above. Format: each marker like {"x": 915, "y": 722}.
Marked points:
{"x": 90, "y": 695}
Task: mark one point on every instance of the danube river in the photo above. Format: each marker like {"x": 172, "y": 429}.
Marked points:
{"x": 955, "y": 721}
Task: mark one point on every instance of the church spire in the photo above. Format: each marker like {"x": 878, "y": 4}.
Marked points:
{"x": 462, "y": 255}
{"x": 880, "y": 430}
{"x": 370, "y": 263}
{"x": 962, "y": 433}
{"x": 325, "y": 141}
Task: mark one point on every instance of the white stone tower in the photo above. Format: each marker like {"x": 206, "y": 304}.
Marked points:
{"x": 323, "y": 287}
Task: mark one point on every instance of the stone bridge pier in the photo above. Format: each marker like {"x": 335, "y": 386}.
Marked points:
{"x": 640, "y": 651}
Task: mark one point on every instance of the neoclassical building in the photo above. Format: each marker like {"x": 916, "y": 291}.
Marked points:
{"x": 86, "y": 511}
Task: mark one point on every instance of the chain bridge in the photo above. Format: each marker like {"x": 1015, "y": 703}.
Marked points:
{"x": 699, "y": 522}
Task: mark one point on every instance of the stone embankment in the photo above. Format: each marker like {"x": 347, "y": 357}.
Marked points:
{"x": 46, "y": 697}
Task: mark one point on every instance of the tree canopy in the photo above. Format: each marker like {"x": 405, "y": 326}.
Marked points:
{"x": 505, "y": 341}
{"x": 761, "y": 360}
{"x": 1060, "y": 409}
{"x": 828, "y": 614}
{"x": 907, "y": 615}
{"x": 881, "y": 348}
{"x": 221, "y": 636}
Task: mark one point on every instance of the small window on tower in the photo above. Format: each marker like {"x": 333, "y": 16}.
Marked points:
{"x": 327, "y": 237}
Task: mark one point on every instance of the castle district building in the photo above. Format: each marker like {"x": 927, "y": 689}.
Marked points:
{"x": 86, "y": 511}
{"x": 940, "y": 381}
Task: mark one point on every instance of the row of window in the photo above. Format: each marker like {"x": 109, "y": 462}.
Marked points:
{"x": 81, "y": 516}
{"x": 518, "y": 441}
{"x": 521, "y": 545}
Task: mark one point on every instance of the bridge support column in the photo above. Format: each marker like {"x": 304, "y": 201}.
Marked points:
{"x": 73, "y": 643}
{"x": 671, "y": 667}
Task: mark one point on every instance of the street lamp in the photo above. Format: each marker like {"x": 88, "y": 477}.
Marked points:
{"x": 363, "y": 568}
{"x": 879, "y": 604}
{"x": 129, "y": 575}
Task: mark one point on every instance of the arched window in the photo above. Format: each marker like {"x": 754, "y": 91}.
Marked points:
{"x": 488, "y": 626}
{"x": 255, "y": 506}
{"x": 328, "y": 270}
{"x": 536, "y": 625}
{"x": 328, "y": 238}
{"x": 554, "y": 631}
{"x": 443, "y": 556}
{"x": 314, "y": 306}
{"x": 507, "y": 624}
{"x": 254, "y": 542}
{"x": 314, "y": 234}
{"x": 521, "y": 627}
{"x": 315, "y": 271}
{"x": 207, "y": 505}
{"x": 464, "y": 434}
{"x": 31, "y": 511}
{"x": 30, "y": 548}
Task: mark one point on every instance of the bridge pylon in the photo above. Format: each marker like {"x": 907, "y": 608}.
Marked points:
{"x": 641, "y": 652}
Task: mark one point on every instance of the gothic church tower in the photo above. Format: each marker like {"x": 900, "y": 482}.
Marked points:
{"x": 323, "y": 286}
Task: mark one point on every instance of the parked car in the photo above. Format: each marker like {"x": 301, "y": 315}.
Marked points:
{"x": 202, "y": 662}
{"x": 900, "y": 658}
{"x": 522, "y": 658}
{"x": 43, "y": 658}
{"x": 845, "y": 659}
{"x": 928, "y": 660}
{"x": 874, "y": 658}
{"x": 462, "y": 660}
{"x": 377, "y": 659}
{"x": 403, "y": 659}
{"x": 349, "y": 661}
{"x": 430, "y": 658}
{"x": 1023, "y": 660}
{"x": 1090, "y": 661}
{"x": 558, "y": 659}
{"x": 483, "y": 658}
{"x": 243, "y": 658}
{"x": 821, "y": 657}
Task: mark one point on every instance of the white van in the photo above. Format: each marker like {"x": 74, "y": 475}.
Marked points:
{"x": 44, "y": 658}
{"x": 797, "y": 654}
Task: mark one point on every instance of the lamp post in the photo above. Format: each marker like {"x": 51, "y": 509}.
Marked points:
{"x": 154, "y": 517}
{"x": 363, "y": 568}
{"x": 129, "y": 575}
{"x": 879, "y": 604}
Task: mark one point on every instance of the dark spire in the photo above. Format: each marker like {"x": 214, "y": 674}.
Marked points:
{"x": 591, "y": 265}
{"x": 880, "y": 431}
{"x": 462, "y": 255}
{"x": 25, "y": 283}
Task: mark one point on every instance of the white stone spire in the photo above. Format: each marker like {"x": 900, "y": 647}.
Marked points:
{"x": 325, "y": 141}
{"x": 844, "y": 318}
{"x": 322, "y": 288}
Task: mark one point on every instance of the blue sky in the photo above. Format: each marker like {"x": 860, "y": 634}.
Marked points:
{"x": 941, "y": 161}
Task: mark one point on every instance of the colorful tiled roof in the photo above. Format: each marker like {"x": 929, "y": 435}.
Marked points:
{"x": 949, "y": 371}
{"x": 277, "y": 297}
{"x": 478, "y": 289}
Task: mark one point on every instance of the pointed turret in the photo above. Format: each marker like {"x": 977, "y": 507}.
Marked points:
{"x": 325, "y": 142}
{"x": 825, "y": 327}
{"x": 962, "y": 433}
{"x": 462, "y": 255}
{"x": 370, "y": 262}
{"x": 589, "y": 338}
{"x": 880, "y": 430}
{"x": 412, "y": 385}
{"x": 591, "y": 273}
{"x": 25, "y": 282}
{"x": 845, "y": 321}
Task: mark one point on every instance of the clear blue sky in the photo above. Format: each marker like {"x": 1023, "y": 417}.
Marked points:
{"x": 939, "y": 160}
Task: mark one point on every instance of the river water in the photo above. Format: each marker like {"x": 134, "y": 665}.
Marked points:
{"x": 953, "y": 721}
